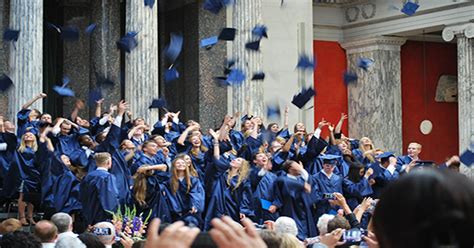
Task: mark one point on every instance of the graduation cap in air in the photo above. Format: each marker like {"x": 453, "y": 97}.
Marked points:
{"x": 300, "y": 99}
{"x": 11, "y": 35}
{"x": 235, "y": 76}
{"x": 329, "y": 158}
{"x": 171, "y": 74}
{"x": 63, "y": 90}
{"x": 228, "y": 66}
{"x": 467, "y": 157}
{"x": 94, "y": 96}
{"x": 258, "y": 76}
{"x": 128, "y": 42}
{"x": 54, "y": 27}
{"x": 173, "y": 49}
{"x": 5, "y": 82}
{"x": 104, "y": 81}
{"x": 70, "y": 33}
{"x": 273, "y": 111}
{"x": 90, "y": 28}
{"x": 227, "y": 34}
{"x": 150, "y": 3}
{"x": 158, "y": 103}
{"x": 365, "y": 63}
{"x": 253, "y": 45}
{"x": 306, "y": 63}
{"x": 409, "y": 8}
{"x": 215, "y": 6}
{"x": 349, "y": 77}
{"x": 424, "y": 163}
{"x": 260, "y": 31}
{"x": 208, "y": 43}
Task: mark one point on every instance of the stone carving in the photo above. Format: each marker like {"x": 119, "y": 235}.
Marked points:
{"x": 447, "y": 89}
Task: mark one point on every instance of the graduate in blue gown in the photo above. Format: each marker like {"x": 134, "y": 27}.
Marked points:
{"x": 65, "y": 187}
{"x": 8, "y": 145}
{"x": 151, "y": 156}
{"x": 150, "y": 195}
{"x": 384, "y": 172}
{"x": 262, "y": 181}
{"x": 64, "y": 137}
{"x": 413, "y": 151}
{"x": 328, "y": 183}
{"x": 29, "y": 119}
{"x": 228, "y": 187}
{"x": 185, "y": 194}
{"x": 365, "y": 153}
{"x": 293, "y": 197}
{"x": 98, "y": 191}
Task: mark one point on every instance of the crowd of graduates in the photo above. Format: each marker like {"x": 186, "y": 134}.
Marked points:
{"x": 175, "y": 171}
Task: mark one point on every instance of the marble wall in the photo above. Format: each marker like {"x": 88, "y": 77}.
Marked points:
{"x": 374, "y": 101}
{"x": 4, "y": 12}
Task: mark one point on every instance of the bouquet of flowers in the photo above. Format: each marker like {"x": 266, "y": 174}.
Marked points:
{"x": 130, "y": 223}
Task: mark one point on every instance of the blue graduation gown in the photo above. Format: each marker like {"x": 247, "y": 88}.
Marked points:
{"x": 65, "y": 189}
{"x": 402, "y": 160}
{"x": 23, "y": 171}
{"x": 359, "y": 155}
{"x": 382, "y": 178}
{"x": 263, "y": 190}
{"x": 182, "y": 202}
{"x": 144, "y": 159}
{"x": 98, "y": 194}
{"x": 291, "y": 200}
{"x": 341, "y": 185}
{"x": 23, "y": 124}
{"x": 7, "y": 156}
{"x": 66, "y": 144}
{"x": 226, "y": 199}
{"x": 156, "y": 200}
{"x": 310, "y": 155}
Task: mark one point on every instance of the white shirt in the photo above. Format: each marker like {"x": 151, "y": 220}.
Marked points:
{"x": 102, "y": 168}
{"x": 48, "y": 245}
{"x": 328, "y": 176}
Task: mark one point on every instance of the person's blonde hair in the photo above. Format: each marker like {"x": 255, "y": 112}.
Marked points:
{"x": 10, "y": 225}
{"x": 102, "y": 157}
{"x": 370, "y": 157}
{"x": 174, "y": 180}
{"x": 202, "y": 148}
{"x": 140, "y": 185}
{"x": 243, "y": 171}
{"x": 290, "y": 241}
{"x": 23, "y": 145}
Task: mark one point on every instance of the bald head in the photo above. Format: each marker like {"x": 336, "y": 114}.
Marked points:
{"x": 46, "y": 231}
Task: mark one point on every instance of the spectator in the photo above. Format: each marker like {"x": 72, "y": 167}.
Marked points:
{"x": 46, "y": 232}
{"x": 338, "y": 222}
{"x": 107, "y": 239}
{"x": 9, "y": 225}
{"x": 19, "y": 239}
{"x": 70, "y": 242}
{"x": 438, "y": 211}
{"x": 271, "y": 238}
{"x": 323, "y": 223}
{"x": 290, "y": 241}
{"x": 285, "y": 225}
{"x": 63, "y": 222}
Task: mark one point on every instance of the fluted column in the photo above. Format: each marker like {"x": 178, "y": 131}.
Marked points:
{"x": 26, "y": 55}
{"x": 141, "y": 65}
{"x": 464, "y": 34}
{"x": 246, "y": 14}
{"x": 375, "y": 101}
{"x": 105, "y": 57}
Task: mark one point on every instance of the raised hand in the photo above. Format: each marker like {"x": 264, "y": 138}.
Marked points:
{"x": 229, "y": 234}
{"x": 369, "y": 173}
{"x": 176, "y": 235}
{"x": 122, "y": 107}
{"x": 322, "y": 123}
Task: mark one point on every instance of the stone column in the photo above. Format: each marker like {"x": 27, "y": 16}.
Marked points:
{"x": 246, "y": 14}
{"x": 464, "y": 34}
{"x": 141, "y": 65}
{"x": 4, "y": 10}
{"x": 375, "y": 102}
{"x": 26, "y": 55}
{"x": 105, "y": 57}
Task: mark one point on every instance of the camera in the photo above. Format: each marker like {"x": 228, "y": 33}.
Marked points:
{"x": 353, "y": 236}
{"x": 329, "y": 196}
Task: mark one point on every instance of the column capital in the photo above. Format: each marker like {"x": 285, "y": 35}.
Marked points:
{"x": 386, "y": 43}
{"x": 462, "y": 29}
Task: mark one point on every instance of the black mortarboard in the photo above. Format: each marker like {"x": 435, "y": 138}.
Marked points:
{"x": 467, "y": 157}
{"x": 258, "y": 76}
{"x": 173, "y": 49}
{"x": 424, "y": 163}
{"x": 5, "y": 82}
{"x": 236, "y": 76}
{"x": 11, "y": 35}
{"x": 63, "y": 90}
{"x": 246, "y": 117}
{"x": 300, "y": 99}
{"x": 158, "y": 103}
{"x": 253, "y": 45}
{"x": 409, "y": 8}
{"x": 273, "y": 111}
{"x": 209, "y": 42}
{"x": 349, "y": 77}
{"x": 150, "y": 3}
{"x": 104, "y": 81}
{"x": 306, "y": 63}
{"x": 171, "y": 74}
{"x": 90, "y": 28}
{"x": 228, "y": 66}
{"x": 260, "y": 31}
{"x": 329, "y": 158}
{"x": 128, "y": 42}
{"x": 53, "y": 27}
{"x": 94, "y": 96}
{"x": 227, "y": 34}
{"x": 365, "y": 63}
{"x": 70, "y": 33}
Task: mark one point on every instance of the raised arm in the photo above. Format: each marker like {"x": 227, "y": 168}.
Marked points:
{"x": 332, "y": 139}
{"x": 224, "y": 130}
{"x": 33, "y": 100}
{"x": 184, "y": 135}
{"x": 134, "y": 129}
{"x": 78, "y": 105}
{"x": 287, "y": 110}
{"x": 215, "y": 143}
{"x": 44, "y": 139}
{"x": 339, "y": 124}
{"x": 98, "y": 107}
